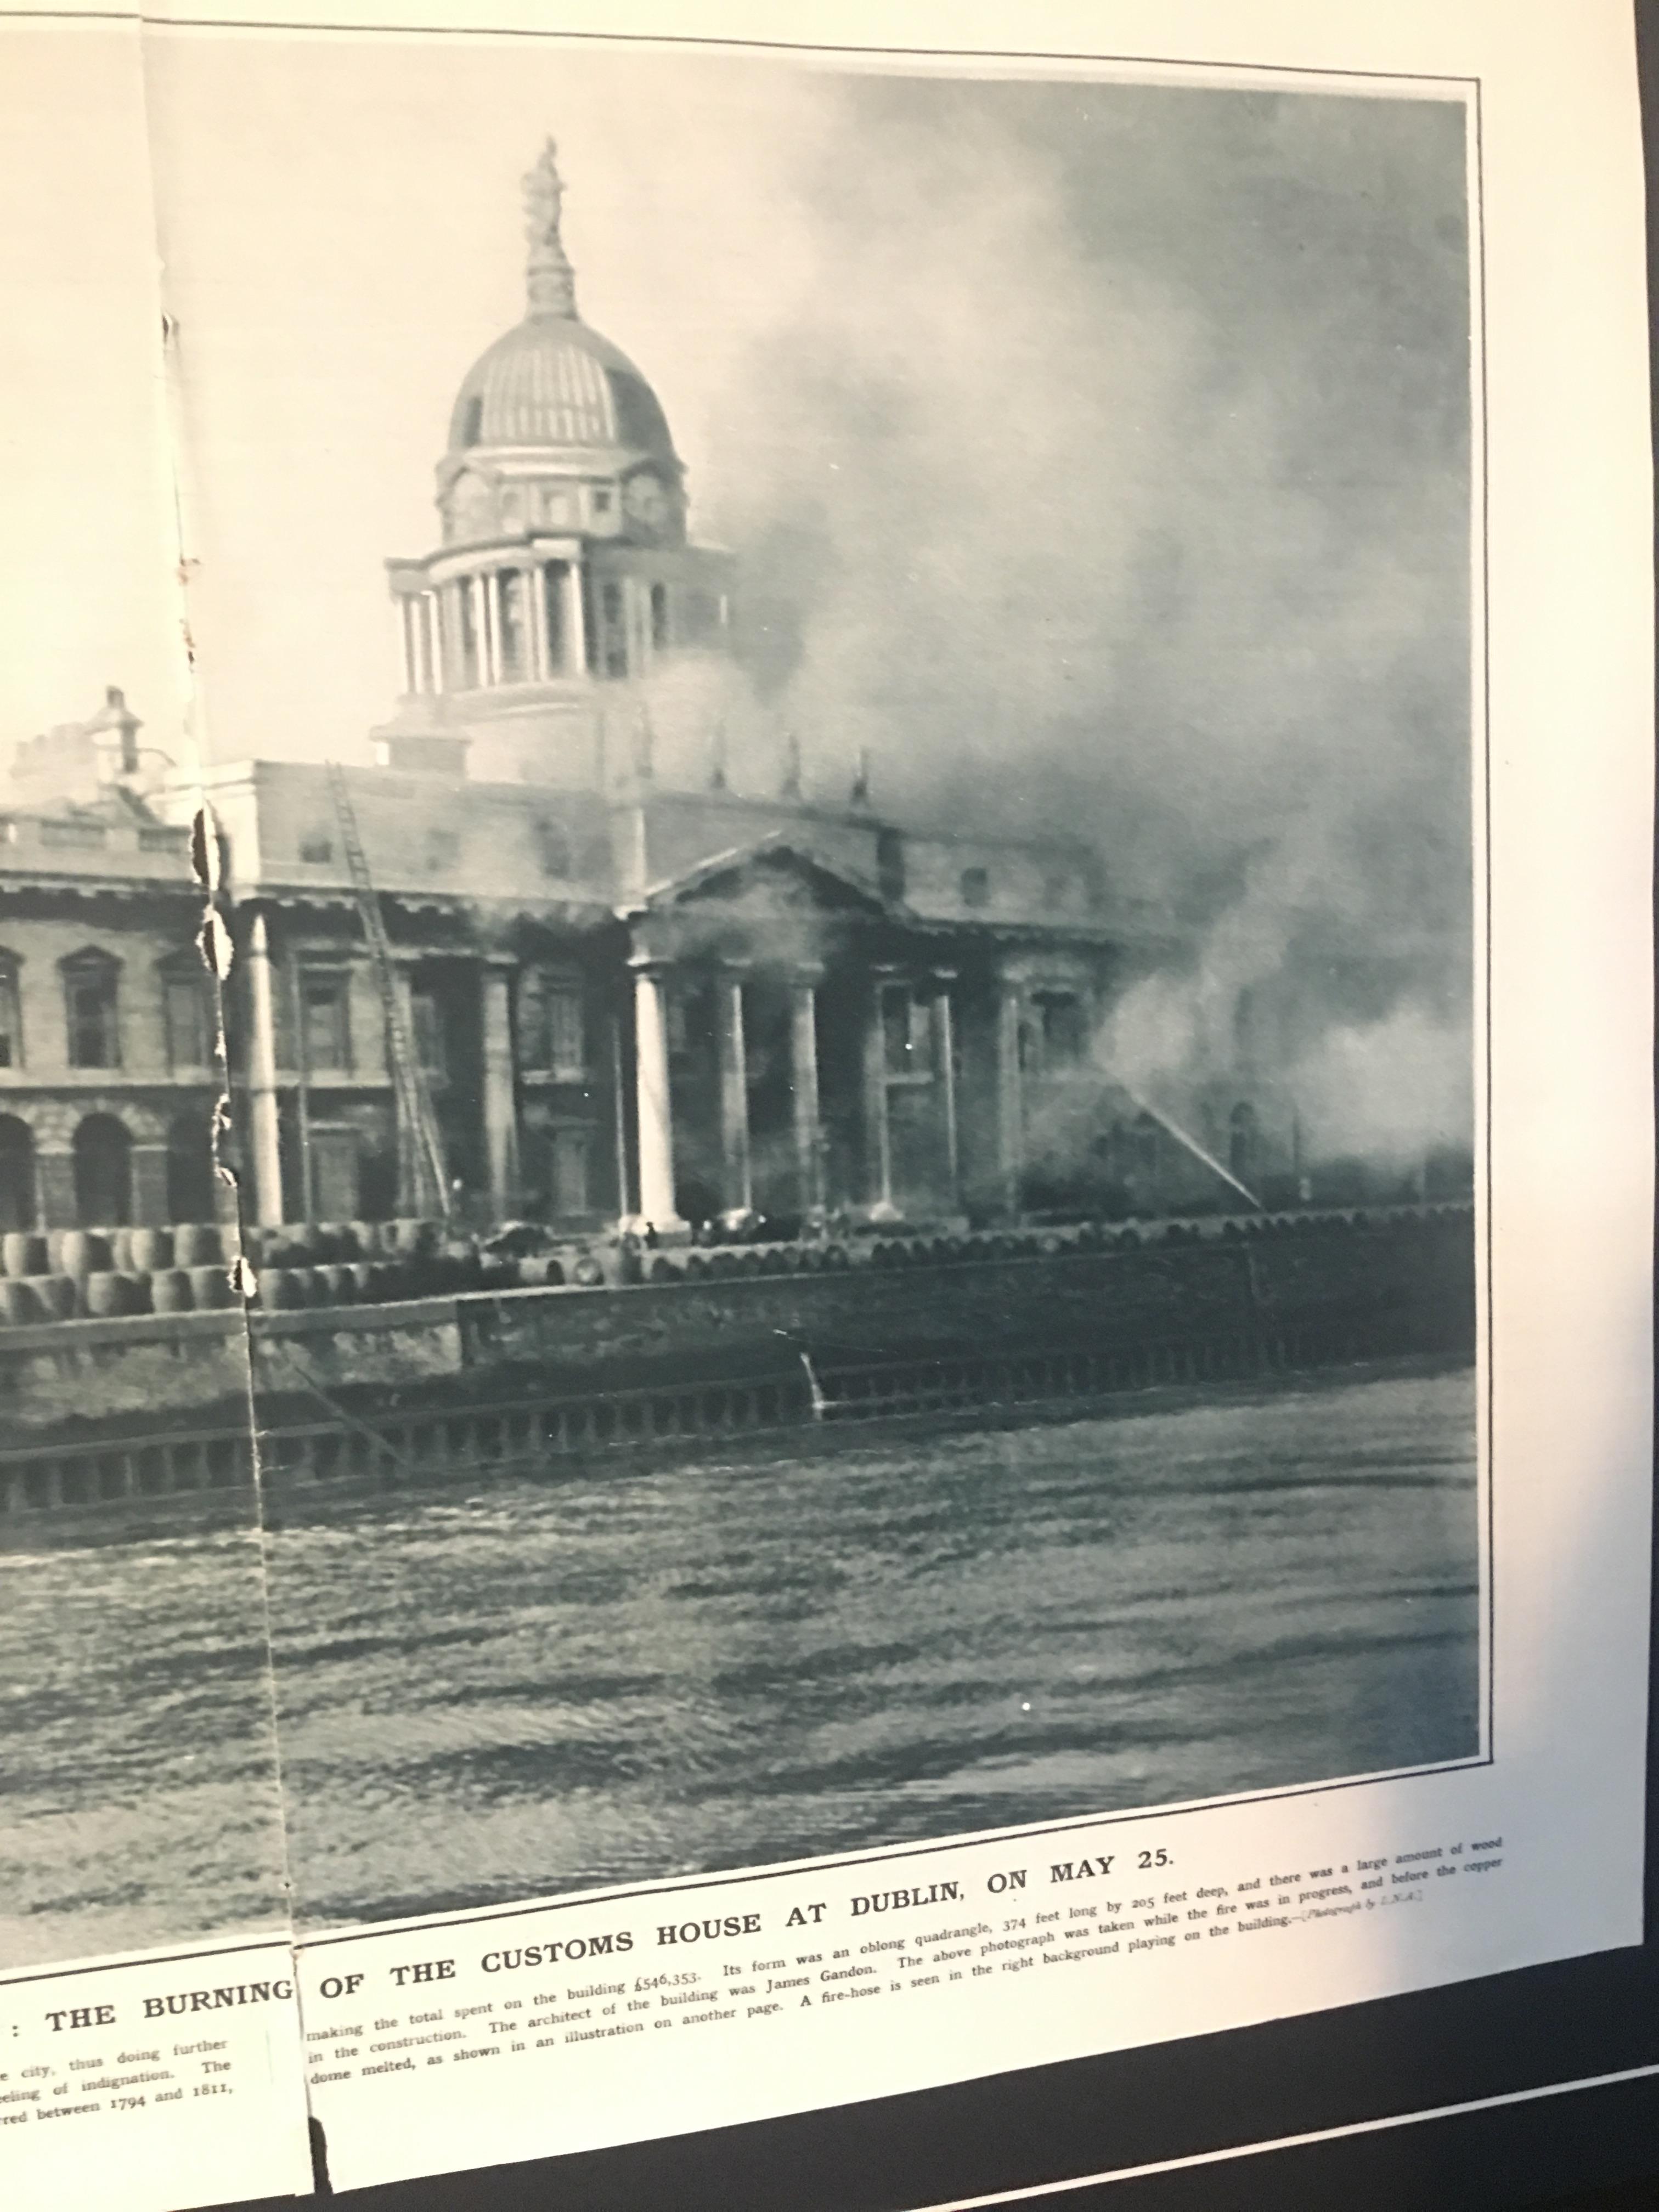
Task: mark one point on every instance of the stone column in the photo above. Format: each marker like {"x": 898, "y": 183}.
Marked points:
{"x": 1011, "y": 1104}
{"x": 877, "y": 1140}
{"x": 575, "y": 622}
{"x": 804, "y": 1081}
{"x": 453, "y": 598}
{"x": 734, "y": 1090}
{"x": 149, "y": 1186}
{"x": 945, "y": 1074}
{"x": 500, "y": 1106}
{"x": 655, "y": 1113}
{"x": 541, "y": 661}
{"x": 411, "y": 675}
{"x": 264, "y": 1141}
{"x": 432, "y": 617}
{"x": 492, "y": 600}
{"x": 414, "y": 1168}
{"x": 479, "y": 587}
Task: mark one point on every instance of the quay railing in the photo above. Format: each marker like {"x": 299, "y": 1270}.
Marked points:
{"x": 543, "y": 1434}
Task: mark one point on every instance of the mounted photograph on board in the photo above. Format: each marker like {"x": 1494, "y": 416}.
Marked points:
{"x": 788, "y": 1268}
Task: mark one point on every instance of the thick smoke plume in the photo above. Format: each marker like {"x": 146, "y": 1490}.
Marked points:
{"x": 1108, "y": 474}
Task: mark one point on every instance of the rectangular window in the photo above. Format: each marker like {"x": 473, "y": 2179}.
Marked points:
{"x": 569, "y": 1150}
{"x": 552, "y": 587}
{"x": 431, "y": 1044}
{"x": 94, "y": 1033}
{"x": 325, "y": 1022}
{"x": 616, "y": 634}
{"x": 186, "y": 1010}
{"x": 658, "y": 617}
{"x": 907, "y": 1032}
{"x": 552, "y": 1032}
{"x": 11, "y": 1032}
{"x": 1063, "y": 1039}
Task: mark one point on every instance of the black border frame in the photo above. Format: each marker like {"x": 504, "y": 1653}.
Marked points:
{"x": 1532, "y": 2049}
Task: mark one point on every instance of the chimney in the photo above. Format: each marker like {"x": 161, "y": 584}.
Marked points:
{"x": 120, "y": 717}
{"x": 791, "y": 766}
{"x": 861, "y": 778}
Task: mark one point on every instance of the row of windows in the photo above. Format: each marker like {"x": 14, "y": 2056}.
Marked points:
{"x": 550, "y": 1025}
{"x": 441, "y": 849}
{"x": 974, "y": 887}
{"x": 92, "y": 1012}
{"x": 1054, "y": 1039}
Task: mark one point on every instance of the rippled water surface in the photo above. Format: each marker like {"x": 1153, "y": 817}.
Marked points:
{"x": 623, "y": 1674}
{"x": 138, "y": 1800}
{"x": 629, "y": 1675}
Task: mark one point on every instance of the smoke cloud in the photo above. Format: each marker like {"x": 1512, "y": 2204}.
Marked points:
{"x": 1096, "y": 455}
{"x": 1108, "y": 476}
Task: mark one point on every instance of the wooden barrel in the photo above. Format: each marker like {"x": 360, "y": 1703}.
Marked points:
{"x": 151, "y": 1249}
{"x": 23, "y": 1252}
{"x": 210, "y": 1289}
{"x": 170, "y": 1291}
{"x": 197, "y": 1244}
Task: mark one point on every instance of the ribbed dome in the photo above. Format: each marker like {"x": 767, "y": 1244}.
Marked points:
{"x": 552, "y": 382}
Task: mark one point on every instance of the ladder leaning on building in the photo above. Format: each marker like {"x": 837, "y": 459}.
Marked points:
{"x": 422, "y": 1179}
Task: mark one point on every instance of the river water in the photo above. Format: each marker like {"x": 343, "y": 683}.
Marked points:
{"x": 622, "y": 1674}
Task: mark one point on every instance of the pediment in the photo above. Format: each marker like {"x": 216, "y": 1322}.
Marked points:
{"x": 774, "y": 874}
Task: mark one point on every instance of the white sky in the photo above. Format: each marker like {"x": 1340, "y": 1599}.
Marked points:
{"x": 1100, "y": 448}
{"x": 89, "y": 596}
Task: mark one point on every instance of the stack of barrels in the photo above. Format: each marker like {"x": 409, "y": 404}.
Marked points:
{"x": 101, "y": 1274}
{"x": 378, "y": 1263}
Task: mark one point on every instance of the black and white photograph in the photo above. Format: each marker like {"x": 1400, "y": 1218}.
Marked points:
{"x": 826, "y": 782}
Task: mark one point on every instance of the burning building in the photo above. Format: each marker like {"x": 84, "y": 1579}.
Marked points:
{"x": 514, "y": 967}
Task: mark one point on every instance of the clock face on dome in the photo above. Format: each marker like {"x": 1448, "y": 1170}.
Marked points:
{"x": 647, "y": 504}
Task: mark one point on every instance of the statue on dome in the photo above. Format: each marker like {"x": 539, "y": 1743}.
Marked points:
{"x": 551, "y": 280}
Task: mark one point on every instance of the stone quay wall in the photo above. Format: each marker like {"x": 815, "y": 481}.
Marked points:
{"x": 1389, "y": 1283}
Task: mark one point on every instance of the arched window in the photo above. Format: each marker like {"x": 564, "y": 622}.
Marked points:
{"x": 11, "y": 1024}
{"x": 18, "y": 1207}
{"x": 190, "y": 1169}
{"x": 103, "y": 1172}
{"x": 1241, "y": 1140}
{"x": 92, "y": 1009}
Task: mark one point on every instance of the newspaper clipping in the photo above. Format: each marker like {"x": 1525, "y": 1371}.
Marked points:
{"x": 811, "y": 1255}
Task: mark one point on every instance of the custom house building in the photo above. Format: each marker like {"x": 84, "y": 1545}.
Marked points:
{"x": 627, "y": 997}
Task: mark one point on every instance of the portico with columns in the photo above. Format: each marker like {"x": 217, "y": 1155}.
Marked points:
{"x": 802, "y": 1048}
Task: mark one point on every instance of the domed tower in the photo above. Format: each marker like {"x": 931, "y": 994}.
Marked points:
{"x": 564, "y": 575}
